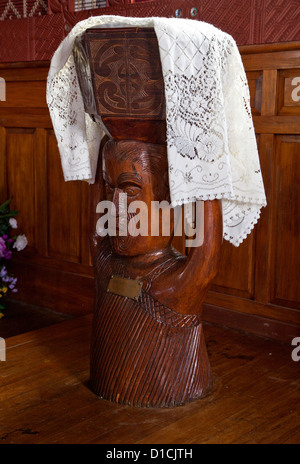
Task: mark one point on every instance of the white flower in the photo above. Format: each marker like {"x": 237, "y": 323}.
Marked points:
{"x": 187, "y": 177}
{"x": 13, "y": 223}
{"x": 212, "y": 147}
{"x": 20, "y": 243}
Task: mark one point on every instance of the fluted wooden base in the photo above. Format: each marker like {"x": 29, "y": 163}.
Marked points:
{"x": 138, "y": 361}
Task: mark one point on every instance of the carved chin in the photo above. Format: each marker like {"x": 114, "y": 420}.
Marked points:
{"x": 122, "y": 245}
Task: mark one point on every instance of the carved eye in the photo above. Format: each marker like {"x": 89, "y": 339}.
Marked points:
{"x": 131, "y": 190}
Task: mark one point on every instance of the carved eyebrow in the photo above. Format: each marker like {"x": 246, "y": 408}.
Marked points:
{"x": 129, "y": 177}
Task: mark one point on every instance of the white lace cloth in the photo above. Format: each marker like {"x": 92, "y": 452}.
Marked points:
{"x": 212, "y": 148}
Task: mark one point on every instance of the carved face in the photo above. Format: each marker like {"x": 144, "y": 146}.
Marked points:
{"x": 140, "y": 171}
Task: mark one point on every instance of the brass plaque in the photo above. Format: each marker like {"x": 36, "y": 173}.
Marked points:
{"x": 125, "y": 287}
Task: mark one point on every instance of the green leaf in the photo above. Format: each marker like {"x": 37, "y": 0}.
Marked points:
{"x": 5, "y": 204}
{"x": 8, "y": 215}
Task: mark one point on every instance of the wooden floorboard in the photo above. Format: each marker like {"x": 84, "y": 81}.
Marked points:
{"x": 45, "y": 398}
{"x": 21, "y": 317}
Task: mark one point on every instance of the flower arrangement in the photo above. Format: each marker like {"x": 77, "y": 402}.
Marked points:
{"x": 8, "y": 245}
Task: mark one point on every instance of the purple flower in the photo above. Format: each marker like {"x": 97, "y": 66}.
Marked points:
{"x": 3, "y": 248}
{"x": 4, "y": 251}
{"x": 9, "y": 282}
{"x": 7, "y": 254}
{"x": 13, "y": 283}
{"x": 3, "y": 272}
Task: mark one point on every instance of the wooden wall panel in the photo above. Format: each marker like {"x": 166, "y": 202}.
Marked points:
{"x": 64, "y": 209}
{"x": 264, "y": 225}
{"x": 236, "y": 275}
{"x": 50, "y": 285}
{"x": 255, "y": 86}
{"x": 286, "y": 264}
{"x": 41, "y": 197}
{"x": 29, "y": 95}
{"x": 3, "y": 176}
{"x": 31, "y": 77}
{"x": 21, "y": 178}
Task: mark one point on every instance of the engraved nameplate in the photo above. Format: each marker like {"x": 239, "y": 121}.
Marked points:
{"x": 125, "y": 287}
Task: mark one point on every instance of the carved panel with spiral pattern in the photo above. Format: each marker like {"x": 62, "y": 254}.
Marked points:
{"x": 128, "y": 80}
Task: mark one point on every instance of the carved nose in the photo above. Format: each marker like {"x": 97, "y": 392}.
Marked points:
{"x": 116, "y": 197}
{"x": 120, "y": 202}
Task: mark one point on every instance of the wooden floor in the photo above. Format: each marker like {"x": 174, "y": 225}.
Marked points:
{"x": 21, "y": 317}
{"x": 44, "y": 394}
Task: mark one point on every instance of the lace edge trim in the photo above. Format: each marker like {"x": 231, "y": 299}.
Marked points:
{"x": 234, "y": 240}
{"x": 82, "y": 176}
{"x": 261, "y": 202}
{"x": 237, "y": 241}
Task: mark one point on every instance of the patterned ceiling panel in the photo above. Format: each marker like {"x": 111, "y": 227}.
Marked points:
{"x": 37, "y": 36}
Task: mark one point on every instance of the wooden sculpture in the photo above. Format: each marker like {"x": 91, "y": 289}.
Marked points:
{"x": 148, "y": 347}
